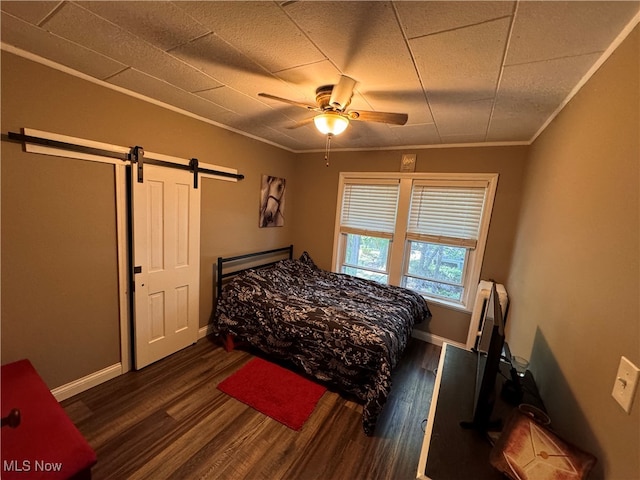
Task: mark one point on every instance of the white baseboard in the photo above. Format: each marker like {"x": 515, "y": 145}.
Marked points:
{"x": 204, "y": 331}
{"x": 85, "y": 383}
{"x": 434, "y": 339}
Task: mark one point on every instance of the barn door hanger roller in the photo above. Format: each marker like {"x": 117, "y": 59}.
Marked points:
{"x": 138, "y": 158}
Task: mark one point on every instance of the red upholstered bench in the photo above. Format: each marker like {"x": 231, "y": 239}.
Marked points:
{"x": 46, "y": 444}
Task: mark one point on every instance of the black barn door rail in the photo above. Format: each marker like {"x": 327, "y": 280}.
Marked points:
{"x": 22, "y": 138}
{"x": 136, "y": 155}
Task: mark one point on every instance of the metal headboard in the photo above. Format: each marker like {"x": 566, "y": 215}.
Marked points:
{"x": 222, "y": 261}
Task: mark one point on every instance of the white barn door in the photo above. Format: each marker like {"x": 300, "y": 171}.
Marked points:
{"x": 166, "y": 255}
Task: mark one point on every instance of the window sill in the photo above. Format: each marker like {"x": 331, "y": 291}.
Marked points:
{"x": 458, "y": 307}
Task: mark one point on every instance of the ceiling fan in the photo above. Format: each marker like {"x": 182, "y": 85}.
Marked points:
{"x": 332, "y": 102}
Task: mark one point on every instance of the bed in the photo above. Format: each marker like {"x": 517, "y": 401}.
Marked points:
{"x": 345, "y": 331}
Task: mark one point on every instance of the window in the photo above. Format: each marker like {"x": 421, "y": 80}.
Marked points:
{"x": 426, "y": 232}
{"x": 444, "y": 224}
{"x": 367, "y": 257}
{"x": 436, "y": 270}
{"x": 367, "y": 223}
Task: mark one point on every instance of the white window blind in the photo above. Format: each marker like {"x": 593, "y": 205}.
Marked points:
{"x": 449, "y": 215}
{"x": 369, "y": 208}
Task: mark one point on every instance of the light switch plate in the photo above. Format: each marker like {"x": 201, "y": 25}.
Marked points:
{"x": 626, "y": 383}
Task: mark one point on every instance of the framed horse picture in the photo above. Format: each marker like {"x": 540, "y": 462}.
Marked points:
{"x": 272, "y": 193}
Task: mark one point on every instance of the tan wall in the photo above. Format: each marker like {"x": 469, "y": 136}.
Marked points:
{"x": 316, "y": 207}
{"x": 59, "y": 271}
{"x": 230, "y": 218}
{"x": 575, "y": 280}
{"x": 59, "y": 277}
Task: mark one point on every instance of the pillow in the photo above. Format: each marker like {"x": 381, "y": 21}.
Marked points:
{"x": 527, "y": 449}
{"x": 306, "y": 259}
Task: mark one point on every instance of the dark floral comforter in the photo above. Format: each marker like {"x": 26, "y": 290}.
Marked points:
{"x": 343, "y": 330}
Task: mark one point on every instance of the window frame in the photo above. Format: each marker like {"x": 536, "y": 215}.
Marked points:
{"x": 397, "y": 260}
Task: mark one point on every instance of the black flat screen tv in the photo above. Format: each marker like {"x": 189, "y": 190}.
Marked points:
{"x": 488, "y": 351}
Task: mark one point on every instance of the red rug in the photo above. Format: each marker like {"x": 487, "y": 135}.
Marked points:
{"x": 277, "y": 392}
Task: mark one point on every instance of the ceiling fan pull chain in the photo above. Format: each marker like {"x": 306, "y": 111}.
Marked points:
{"x": 328, "y": 146}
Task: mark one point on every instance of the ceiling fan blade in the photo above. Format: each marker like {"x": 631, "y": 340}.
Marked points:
{"x": 301, "y": 123}
{"x": 382, "y": 117}
{"x": 290, "y": 102}
{"x": 342, "y": 92}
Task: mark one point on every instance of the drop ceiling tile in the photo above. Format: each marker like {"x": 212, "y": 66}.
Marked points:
{"x": 461, "y": 117}
{"x": 365, "y": 43}
{"x": 543, "y": 84}
{"x": 227, "y": 118}
{"x": 81, "y": 26}
{"x": 261, "y": 30}
{"x": 32, "y": 12}
{"x": 252, "y": 114}
{"x": 168, "y": 68}
{"x": 143, "y": 84}
{"x": 422, "y": 134}
{"x": 545, "y": 30}
{"x": 261, "y": 131}
{"x": 530, "y": 93}
{"x": 425, "y": 18}
{"x": 35, "y": 40}
{"x": 462, "y": 64}
{"x": 219, "y": 60}
{"x": 506, "y": 129}
{"x": 159, "y": 23}
{"x": 233, "y": 100}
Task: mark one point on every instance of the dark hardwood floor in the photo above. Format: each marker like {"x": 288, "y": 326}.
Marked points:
{"x": 170, "y": 421}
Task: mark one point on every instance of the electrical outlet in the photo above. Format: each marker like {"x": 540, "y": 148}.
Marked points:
{"x": 626, "y": 383}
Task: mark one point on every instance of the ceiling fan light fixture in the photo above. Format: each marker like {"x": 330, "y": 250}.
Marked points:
{"x": 331, "y": 123}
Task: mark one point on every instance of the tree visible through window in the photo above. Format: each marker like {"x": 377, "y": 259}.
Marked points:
{"x": 436, "y": 269}
{"x": 366, "y": 257}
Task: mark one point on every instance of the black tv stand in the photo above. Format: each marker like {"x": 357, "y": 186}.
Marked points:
{"x": 492, "y": 426}
{"x": 512, "y": 392}
{"x": 450, "y": 451}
